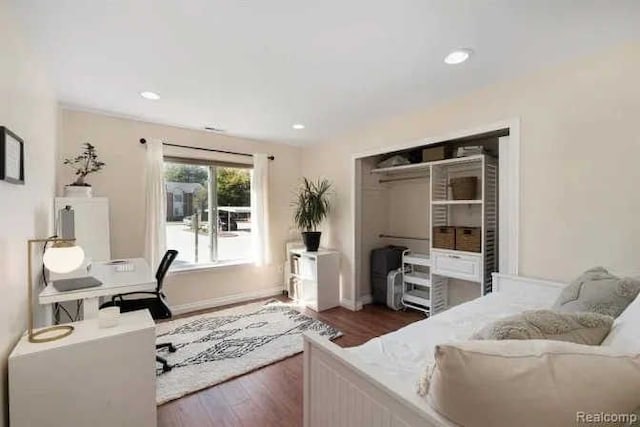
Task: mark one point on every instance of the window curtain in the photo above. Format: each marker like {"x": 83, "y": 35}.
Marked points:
{"x": 155, "y": 205}
{"x": 260, "y": 209}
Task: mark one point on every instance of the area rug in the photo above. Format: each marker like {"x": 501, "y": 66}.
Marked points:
{"x": 214, "y": 347}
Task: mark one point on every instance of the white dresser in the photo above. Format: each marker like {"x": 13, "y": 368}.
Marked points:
{"x": 94, "y": 377}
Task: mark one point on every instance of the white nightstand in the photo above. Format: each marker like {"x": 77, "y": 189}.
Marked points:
{"x": 314, "y": 278}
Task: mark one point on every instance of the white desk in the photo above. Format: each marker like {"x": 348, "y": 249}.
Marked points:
{"x": 141, "y": 279}
{"x": 94, "y": 377}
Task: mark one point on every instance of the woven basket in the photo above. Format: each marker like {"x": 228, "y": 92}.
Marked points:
{"x": 468, "y": 239}
{"x": 444, "y": 237}
{"x": 464, "y": 188}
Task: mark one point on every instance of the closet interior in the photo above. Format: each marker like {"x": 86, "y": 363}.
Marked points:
{"x": 429, "y": 223}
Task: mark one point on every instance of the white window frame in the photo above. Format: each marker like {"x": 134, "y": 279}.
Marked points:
{"x": 212, "y": 169}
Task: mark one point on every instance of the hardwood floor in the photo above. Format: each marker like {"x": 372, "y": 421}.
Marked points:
{"x": 272, "y": 396}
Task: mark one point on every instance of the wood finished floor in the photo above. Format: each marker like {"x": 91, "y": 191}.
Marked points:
{"x": 272, "y": 396}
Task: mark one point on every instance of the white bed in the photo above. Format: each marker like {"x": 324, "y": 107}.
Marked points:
{"x": 375, "y": 384}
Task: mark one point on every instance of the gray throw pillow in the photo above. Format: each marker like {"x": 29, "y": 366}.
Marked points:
{"x": 579, "y": 328}
{"x": 598, "y": 291}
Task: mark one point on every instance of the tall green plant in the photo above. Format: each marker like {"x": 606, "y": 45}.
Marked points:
{"x": 312, "y": 204}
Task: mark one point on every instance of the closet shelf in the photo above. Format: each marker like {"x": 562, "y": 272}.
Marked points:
{"x": 392, "y": 170}
{"x": 393, "y": 236}
{"x": 426, "y": 166}
{"x": 456, "y": 202}
{"x": 417, "y": 259}
{"x": 417, "y": 297}
{"x": 420, "y": 279}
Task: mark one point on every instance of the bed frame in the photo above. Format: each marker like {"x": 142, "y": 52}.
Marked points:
{"x": 341, "y": 391}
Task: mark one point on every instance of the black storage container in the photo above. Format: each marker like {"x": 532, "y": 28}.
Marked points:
{"x": 383, "y": 260}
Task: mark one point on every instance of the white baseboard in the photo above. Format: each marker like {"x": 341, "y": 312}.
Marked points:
{"x": 350, "y": 304}
{"x": 356, "y": 305}
{"x": 366, "y": 299}
{"x": 231, "y": 299}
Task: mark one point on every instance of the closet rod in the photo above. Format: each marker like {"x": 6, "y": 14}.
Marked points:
{"x": 381, "y": 181}
{"x": 144, "y": 141}
{"x": 391, "y": 236}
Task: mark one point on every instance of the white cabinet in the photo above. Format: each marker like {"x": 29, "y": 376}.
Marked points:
{"x": 91, "y": 215}
{"x": 314, "y": 279}
{"x": 94, "y": 377}
{"x": 457, "y": 265}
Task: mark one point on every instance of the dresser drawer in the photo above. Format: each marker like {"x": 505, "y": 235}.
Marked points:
{"x": 457, "y": 266}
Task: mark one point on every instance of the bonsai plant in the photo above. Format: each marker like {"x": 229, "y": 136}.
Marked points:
{"x": 312, "y": 207}
{"x": 84, "y": 164}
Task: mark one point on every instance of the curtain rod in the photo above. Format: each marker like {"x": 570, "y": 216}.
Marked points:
{"x": 144, "y": 141}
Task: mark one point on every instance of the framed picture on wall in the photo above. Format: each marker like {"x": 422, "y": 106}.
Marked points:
{"x": 11, "y": 157}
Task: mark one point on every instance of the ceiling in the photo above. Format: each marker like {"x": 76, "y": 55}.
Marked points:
{"x": 255, "y": 67}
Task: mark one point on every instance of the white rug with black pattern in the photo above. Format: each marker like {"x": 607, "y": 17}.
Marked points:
{"x": 214, "y": 347}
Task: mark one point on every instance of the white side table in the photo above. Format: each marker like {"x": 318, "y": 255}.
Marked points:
{"x": 315, "y": 278}
{"x": 94, "y": 377}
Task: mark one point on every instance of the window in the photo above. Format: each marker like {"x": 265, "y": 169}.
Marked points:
{"x": 194, "y": 189}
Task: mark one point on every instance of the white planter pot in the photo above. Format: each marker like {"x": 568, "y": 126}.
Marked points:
{"x": 77, "y": 191}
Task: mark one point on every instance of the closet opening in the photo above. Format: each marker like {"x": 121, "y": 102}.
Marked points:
{"x": 428, "y": 221}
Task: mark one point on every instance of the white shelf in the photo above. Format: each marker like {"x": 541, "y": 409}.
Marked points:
{"x": 427, "y": 165}
{"x": 456, "y": 252}
{"x": 315, "y": 281}
{"x": 470, "y": 266}
{"x": 303, "y": 252}
{"x": 417, "y": 297}
{"x": 416, "y": 167}
{"x": 417, "y": 259}
{"x": 416, "y": 278}
{"x": 456, "y": 202}
{"x": 459, "y": 160}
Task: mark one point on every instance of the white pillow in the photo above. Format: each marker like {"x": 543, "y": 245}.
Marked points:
{"x": 625, "y": 332}
{"x": 531, "y": 382}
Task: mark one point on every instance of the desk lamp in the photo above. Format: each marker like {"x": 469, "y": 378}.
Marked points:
{"x": 62, "y": 257}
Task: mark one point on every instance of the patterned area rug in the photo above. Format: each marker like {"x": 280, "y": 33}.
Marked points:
{"x": 214, "y": 347}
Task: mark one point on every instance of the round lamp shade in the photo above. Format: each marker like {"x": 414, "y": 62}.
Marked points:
{"x": 63, "y": 260}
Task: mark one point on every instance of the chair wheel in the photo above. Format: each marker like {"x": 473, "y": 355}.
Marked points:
{"x": 172, "y": 349}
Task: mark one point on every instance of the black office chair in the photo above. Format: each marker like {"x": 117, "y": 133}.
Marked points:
{"x": 156, "y": 305}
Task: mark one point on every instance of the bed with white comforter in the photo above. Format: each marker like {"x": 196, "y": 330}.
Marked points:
{"x": 375, "y": 384}
{"x": 400, "y": 357}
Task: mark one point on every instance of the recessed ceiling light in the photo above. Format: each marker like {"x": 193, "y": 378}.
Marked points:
{"x": 458, "y": 56}
{"x": 298, "y": 126}
{"x": 150, "y": 95}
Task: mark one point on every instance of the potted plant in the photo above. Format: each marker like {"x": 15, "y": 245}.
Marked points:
{"x": 84, "y": 164}
{"x": 312, "y": 207}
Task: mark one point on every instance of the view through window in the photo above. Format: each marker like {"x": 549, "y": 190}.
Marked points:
{"x": 193, "y": 191}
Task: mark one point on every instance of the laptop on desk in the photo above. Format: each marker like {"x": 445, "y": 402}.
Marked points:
{"x": 65, "y": 285}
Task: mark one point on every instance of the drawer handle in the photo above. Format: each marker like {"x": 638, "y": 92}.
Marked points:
{"x": 454, "y": 256}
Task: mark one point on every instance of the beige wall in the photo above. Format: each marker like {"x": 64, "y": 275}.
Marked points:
{"x": 580, "y": 147}
{"x": 122, "y": 181}
{"x": 28, "y": 108}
